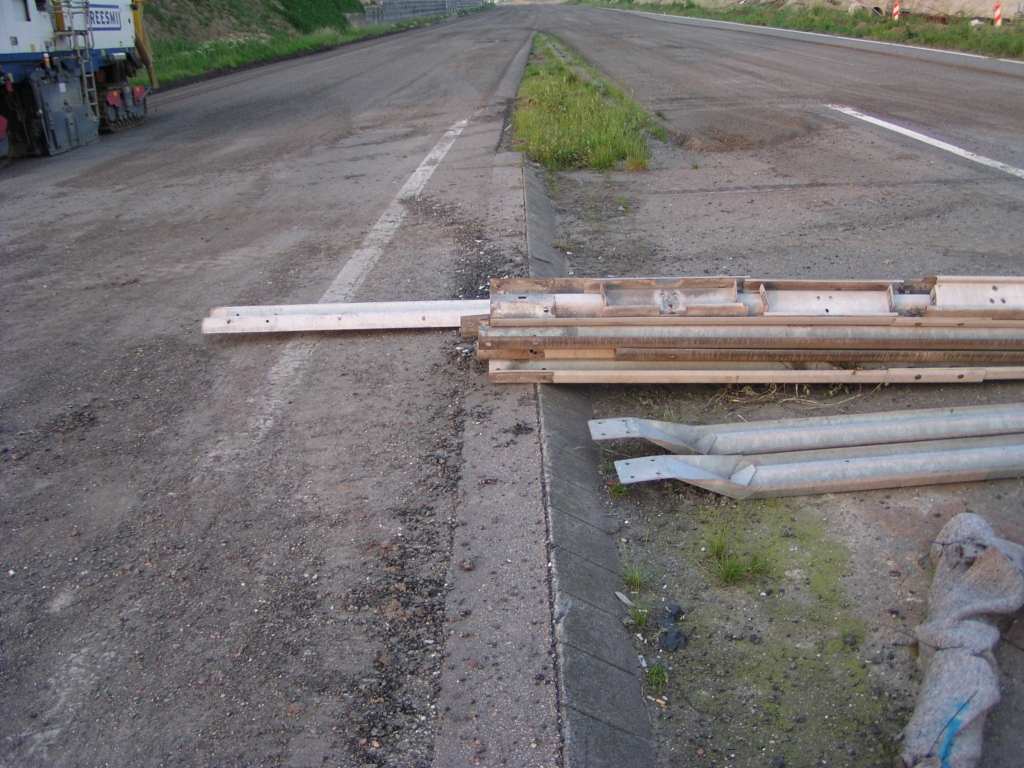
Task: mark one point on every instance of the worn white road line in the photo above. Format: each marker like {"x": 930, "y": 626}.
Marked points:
{"x": 358, "y": 266}
{"x": 345, "y": 285}
{"x": 981, "y": 159}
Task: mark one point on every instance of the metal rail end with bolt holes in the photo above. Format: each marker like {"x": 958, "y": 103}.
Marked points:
{"x": 834, "y": 470}
{"x": 817, "y": 431}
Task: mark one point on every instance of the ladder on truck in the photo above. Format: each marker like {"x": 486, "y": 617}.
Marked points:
{"x": 72, "y": 31}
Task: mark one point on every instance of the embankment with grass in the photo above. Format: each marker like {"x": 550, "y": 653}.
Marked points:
{"x": 954, "y": 33}
{"x": 192, "y": 38}
{"x": 568, "y": 117}
{"x": 180, "y": 60}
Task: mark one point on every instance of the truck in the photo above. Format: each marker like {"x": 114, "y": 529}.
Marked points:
{"x": 65, "y": 73}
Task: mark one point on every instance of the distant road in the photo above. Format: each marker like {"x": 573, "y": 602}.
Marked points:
{"x": 725, "y": 70}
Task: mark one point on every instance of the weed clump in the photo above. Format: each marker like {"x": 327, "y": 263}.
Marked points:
{"x": 728, "y": 564}
{"x": 618, "y": 490}
{"x": 656, "y": 678}
{"x": 636, "y": 575}
{"x": 567, "y": 117}
{"x": 639, "y": 614}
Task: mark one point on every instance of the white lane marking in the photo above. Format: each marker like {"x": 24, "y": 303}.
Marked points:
{"x": 293, "y": 358}
{"x": 981, "y": 159}
{"x": 358, "y": 266}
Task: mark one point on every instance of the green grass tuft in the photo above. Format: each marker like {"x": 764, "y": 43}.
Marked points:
{"x": 639, "y": 614}
{"x": 567, "y": 117}
{"x": 718, "y": 546}
{"x": 730, "y": 569}
{"x": 730, "y": 565}
{"x": 618, "y": 490}
{"x": 636, "y": 575}
{"x": 757, "y": 563}
{"x": 656, "y": 678}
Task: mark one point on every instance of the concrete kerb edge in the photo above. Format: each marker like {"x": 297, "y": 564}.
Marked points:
{"x": 595, "y": 716}
{"x": 545, "y": 261}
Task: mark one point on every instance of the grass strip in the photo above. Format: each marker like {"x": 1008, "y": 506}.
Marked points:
{"x": 180, "y": 59}
{"x": 568, "y": 117}
{"x": 956, "y": 34}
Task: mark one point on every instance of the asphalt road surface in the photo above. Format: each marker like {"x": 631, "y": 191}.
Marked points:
{"x": 330, "y": 550}
{"x": 786, "y": 186}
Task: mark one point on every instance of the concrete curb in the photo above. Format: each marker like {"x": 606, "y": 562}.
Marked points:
{"x": 545, "y": 261}
{"x": 604, "y": 720}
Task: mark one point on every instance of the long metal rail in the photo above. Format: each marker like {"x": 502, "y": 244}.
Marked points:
{"x": 752, "y": 337}
{"x": 817, "y": 432}
{"x": 583, "y": 371}
{"x": 835, "y": 470}
{"x": 338, "y": 317}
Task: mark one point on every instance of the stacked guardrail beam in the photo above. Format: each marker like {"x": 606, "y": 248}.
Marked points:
{"x": 742, "y": 330}
{"x": 828, "y": 454}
